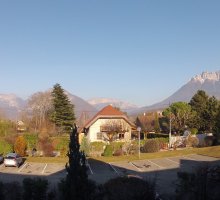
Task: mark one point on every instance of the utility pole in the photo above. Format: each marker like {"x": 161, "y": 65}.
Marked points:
{"x": 139, "y": 141}
{"x": 170, "y": 129}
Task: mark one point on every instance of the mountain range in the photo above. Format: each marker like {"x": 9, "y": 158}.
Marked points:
{"x": 11, "y": 105}
{"x": 100, "y": 103}
{"x": 207, "y": 81}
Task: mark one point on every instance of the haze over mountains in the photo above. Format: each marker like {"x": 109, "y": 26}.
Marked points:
{"x": 11, "y": 105}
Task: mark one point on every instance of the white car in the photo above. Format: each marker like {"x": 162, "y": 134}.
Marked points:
{"x": 1, "y": 158}
{"x": 13, "y": 159}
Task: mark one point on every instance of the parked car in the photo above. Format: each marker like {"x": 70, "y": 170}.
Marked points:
{"x": 1, "y": 158}
{"x": 13, "y": 159}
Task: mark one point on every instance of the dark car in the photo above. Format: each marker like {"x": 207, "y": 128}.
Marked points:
{"x": 1, "y": 158}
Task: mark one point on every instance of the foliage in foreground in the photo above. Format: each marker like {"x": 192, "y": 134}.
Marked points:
{"x": 76, "y": 185}
{"x": 203, "y": 184}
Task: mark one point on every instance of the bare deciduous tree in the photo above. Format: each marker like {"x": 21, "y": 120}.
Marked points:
{"x": 40, "y": 104}
{"x": 113, "y": 127}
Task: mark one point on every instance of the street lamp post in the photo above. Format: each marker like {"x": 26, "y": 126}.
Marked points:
{"x": 170, "y": 134}
{"x": 139, "y": 141}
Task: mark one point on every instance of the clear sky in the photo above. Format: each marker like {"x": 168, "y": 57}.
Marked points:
{"x": 140, "y": 51}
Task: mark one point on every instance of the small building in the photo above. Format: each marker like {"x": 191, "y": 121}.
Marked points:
{"x": 21, "y": 127}
{"x": 109, "y": 124}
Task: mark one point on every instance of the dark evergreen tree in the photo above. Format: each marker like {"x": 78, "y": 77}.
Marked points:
{"x": 211, "y": 113}
{"x": 63, "y": 111}
{"x": 76, "y": 185}
{"x": 199, "y": 104}
{"x": 206, "y": 109}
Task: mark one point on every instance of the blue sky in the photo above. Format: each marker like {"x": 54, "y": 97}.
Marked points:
{"x": 137, "y": 51}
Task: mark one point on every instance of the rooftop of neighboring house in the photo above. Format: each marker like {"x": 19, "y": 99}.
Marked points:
{"x": 108, "y": 112}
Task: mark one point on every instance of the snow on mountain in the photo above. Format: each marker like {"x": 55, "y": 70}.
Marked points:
{"x": 11, "y": 100}
{"x": 207, "y": 81}
{"x": 100, "y": 103}
{"x": 11, "y": 105}
{"x": 207, "y": 76}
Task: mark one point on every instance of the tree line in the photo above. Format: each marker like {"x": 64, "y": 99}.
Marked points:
{"x": 200, "y": 115}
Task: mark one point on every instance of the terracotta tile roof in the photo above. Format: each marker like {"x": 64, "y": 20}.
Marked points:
{"x": 108, "y": 112}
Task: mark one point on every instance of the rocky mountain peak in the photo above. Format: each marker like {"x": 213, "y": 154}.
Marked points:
{"x": 211, "y": 76}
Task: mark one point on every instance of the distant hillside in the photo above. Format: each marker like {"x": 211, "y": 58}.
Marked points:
{"x": 81, "y": 106}
{"x": 207, "y": 81}
{"x": 100, "y": 103}
{"x": 11, "y": 105}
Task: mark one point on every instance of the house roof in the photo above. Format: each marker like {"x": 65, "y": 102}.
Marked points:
{"x": 108, "y": 112}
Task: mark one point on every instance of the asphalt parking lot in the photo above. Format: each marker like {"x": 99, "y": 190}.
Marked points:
{"x": 164, "y": 170}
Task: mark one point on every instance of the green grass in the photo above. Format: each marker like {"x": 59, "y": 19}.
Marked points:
{"x": 207, "y": 151}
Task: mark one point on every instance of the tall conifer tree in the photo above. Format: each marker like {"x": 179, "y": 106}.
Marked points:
{"x": 63, "y": 111}
{"x": 76, "y": 186}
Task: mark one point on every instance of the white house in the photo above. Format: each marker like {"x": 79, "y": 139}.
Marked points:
{"x": 109, "y": 124}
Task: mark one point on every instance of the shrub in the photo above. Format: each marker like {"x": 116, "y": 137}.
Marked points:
{"x": 130, "y": 147}
{"x": 31, "y": 140}
{"x": 151, "y": 145}
{"x": 20, "y": 145}
{"x": 117, "y": 145}
{"x": 108, "y": 150}
{"x": 157, "y": 135}
{"x": 192, "y": 141}
{"x": 12, "y": 190}
{"x": 35, "y": 189}
{"x": 118, "y": 152}
{"x": 96, "y": 148}
{"x": 46, "y": 146}
{"x": 163, "y": 142}
{"x": 128, "y": 188}
{"x": 61, "y": 144}
{"x": 194, "y": 131}
{"x": 85, "y": 146}
{"x": 204, "y": 183}
{"x": 5, "y": 147}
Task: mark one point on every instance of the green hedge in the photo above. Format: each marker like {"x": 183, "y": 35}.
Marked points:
{"x": 151, "y": 146}
{"x": 61, "y": 144}
{"x": 157, "y": 135}
{"x": 31, "y": 139}
{"x": 5, "y": 147}
{"x": 108, "y": 150}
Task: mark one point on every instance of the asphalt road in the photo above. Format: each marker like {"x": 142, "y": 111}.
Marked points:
{"x": 163, "y": 170}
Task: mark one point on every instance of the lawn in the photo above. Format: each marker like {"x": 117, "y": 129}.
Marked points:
{"x": 207, "y": 151}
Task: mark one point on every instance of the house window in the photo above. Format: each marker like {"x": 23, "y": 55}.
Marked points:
{"x": 121, "y": 135}
{"x": 99, "y": 136}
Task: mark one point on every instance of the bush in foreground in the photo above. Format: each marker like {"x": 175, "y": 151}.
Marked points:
{"x": 151, "y": 146}
{"x": 127, "y": 188}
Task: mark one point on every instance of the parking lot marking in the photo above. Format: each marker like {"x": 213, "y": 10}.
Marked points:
{"x": 155, "y": 164}
{"x": 137, "y": 167}
{"x": 90, "y": 168}
{"x": 44, "y": 169}
{"x": 113, "y": 168}
{"x": 22, "y": 167}
{"x": 173, "y": 161}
